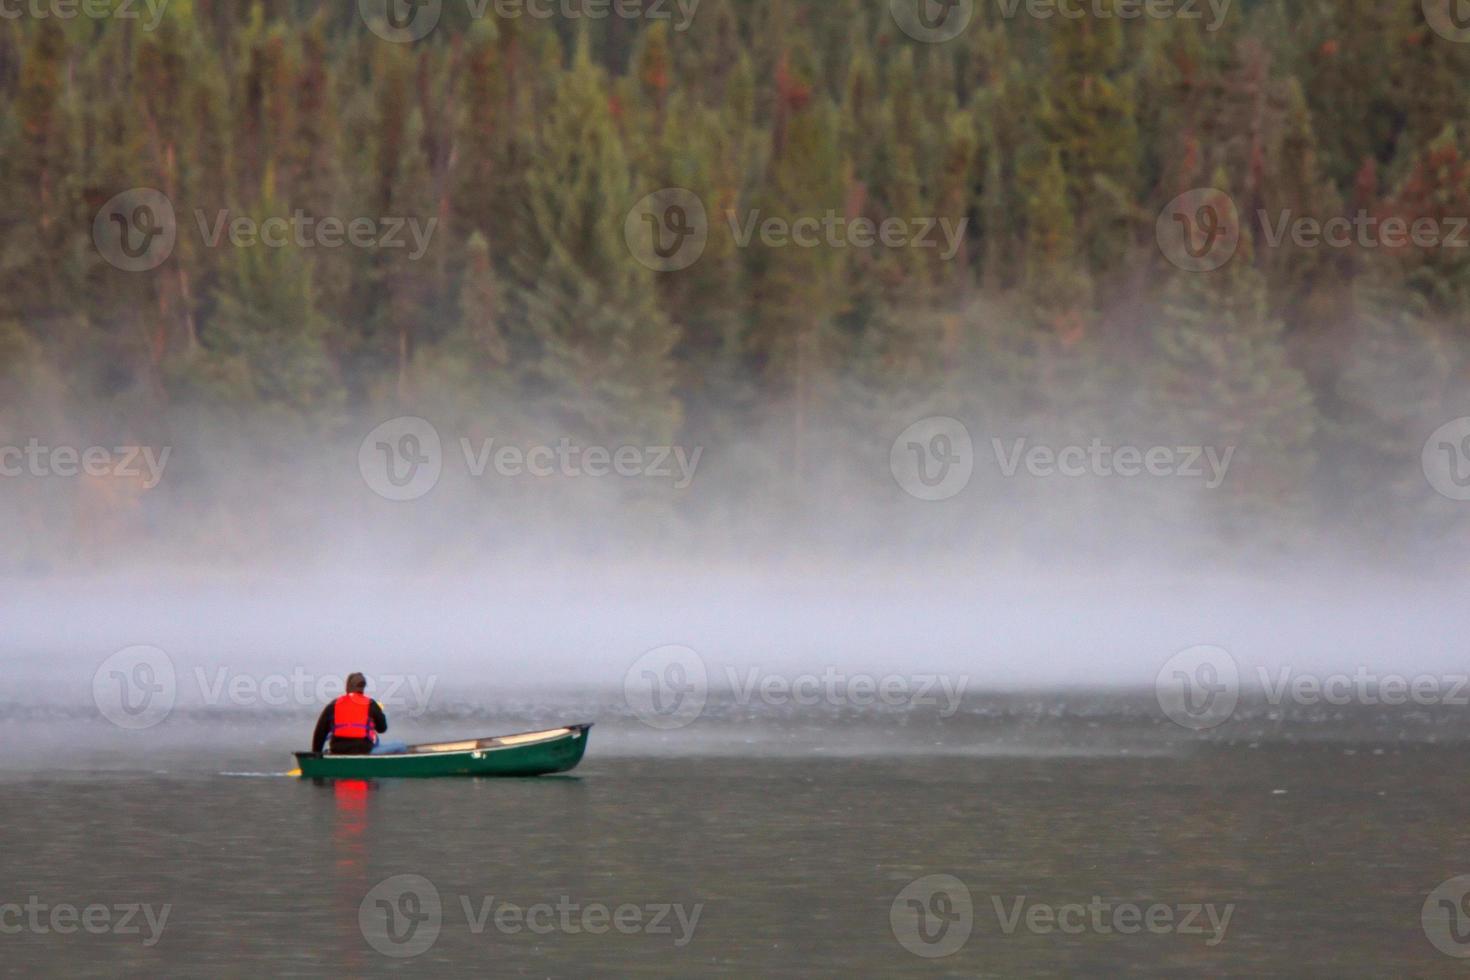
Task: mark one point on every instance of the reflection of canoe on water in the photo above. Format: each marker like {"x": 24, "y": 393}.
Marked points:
{"x": 529, "y": 754}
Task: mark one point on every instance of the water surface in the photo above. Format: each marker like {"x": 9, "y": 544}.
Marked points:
{"x": 782, "y": 863}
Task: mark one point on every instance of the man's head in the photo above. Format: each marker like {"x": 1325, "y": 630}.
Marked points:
{"x": 356, "y": 683}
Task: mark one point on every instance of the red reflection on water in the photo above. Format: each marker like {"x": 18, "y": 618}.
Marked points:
{"x": 349, "y": 854}
{"x": 352, "y": 806}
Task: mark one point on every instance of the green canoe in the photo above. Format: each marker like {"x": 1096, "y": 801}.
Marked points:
{"x": 527, "y": 754}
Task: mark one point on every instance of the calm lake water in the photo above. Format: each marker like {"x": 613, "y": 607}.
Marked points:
{"x": 801, "y": 850}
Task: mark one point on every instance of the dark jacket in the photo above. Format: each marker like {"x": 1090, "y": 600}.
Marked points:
{"x": 347, "y": 746}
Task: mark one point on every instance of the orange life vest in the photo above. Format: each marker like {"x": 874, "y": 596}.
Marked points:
{"x": 350, "y": 718}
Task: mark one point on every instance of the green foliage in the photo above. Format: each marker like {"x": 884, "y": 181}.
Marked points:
{"x": 1052, "y": 144}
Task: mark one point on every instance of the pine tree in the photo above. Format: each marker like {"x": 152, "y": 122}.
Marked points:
{"x": 263, "y": 345}
{"x": 793, "y": 287}
{"x": 480, "y": 307}
{"x": 600, "y": 344}
{"x": 1088, "y": 115}
{"x": 1056, "y": 283}
{"x": 1396, "y": 384}
{"x": 1436, "y": 190}
{"x": 38, "y": 216}
{"x": 1222, "y": 379}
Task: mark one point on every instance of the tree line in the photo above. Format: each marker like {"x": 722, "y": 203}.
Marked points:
{"x": 1054, "y": 146}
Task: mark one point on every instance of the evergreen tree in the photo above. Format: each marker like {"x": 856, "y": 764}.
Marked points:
{"x": 1088, "y": 116}
{"x": 601, "y": 345}
{"x": 1222, "y": 379}
{"x": 793, "y": 286}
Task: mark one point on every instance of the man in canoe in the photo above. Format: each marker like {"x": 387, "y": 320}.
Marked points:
{"x": 353, "y": 722}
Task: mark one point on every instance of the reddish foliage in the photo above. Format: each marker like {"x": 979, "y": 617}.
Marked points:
{"x": 1189, "y": 163}
{"x": 1070, "y": 328}
{"x": 1365, "y": 185}
{"x": 795, "y": 93}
